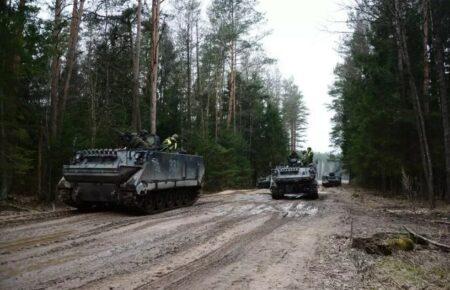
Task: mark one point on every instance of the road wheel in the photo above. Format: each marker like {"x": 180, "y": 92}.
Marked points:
{"x": 192, "y": 197}
{"x": 178, "y": 198}
{"x": 171, "y": 200}
{"x": 277, "y": 196}
{"x": 83, "y": 206}
{"x": 315, "y": 193}
{"x": 185, "y": 198}
{"x": 151, "y": 204}
{"x": 160, "y": 202}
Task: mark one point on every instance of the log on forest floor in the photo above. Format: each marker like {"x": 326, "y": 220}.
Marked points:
{"x": 422, "y": 239}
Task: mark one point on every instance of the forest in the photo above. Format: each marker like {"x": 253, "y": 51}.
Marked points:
{"x": 390, "y": 97}
{"x": 72, "y": 72}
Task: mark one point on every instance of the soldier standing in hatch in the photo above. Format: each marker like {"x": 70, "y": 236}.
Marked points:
{"x": 302, "y": 157}
{"x": 170, "y": 144}
{"x": 308, "y": 157}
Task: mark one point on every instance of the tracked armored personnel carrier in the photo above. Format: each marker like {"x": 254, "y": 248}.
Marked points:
{"x": 294, "y": 179}
{"x": 331, "y": 180}
{"x": 141, "y": 176}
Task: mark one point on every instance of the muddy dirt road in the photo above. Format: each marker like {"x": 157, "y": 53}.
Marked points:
{"x": 232, "y": 239}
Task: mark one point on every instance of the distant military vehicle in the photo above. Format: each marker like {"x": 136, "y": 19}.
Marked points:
{"x": 295, "y": 178}
{"x": 263, "y": 182}
{"x": 140, "y": 176}
{"x": 331, "y": 179}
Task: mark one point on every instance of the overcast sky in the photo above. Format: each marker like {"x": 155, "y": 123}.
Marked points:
{"x": 306, "y": 50}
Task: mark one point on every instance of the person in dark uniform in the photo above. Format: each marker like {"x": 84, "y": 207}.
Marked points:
{"x": 293, "y": 158}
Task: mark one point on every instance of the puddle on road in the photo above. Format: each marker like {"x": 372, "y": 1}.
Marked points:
{"x": 255, "y": 204}
{"x": 252, "y": 197}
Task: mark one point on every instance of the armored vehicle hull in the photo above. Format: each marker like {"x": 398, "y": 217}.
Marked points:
{"x": 142, "y": 179}
{"x": 292, "y": 180}
{"x": 331, "y": 180}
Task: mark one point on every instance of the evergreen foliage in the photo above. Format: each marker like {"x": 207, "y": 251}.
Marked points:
{"x": 375, "y": 119}
{"x": 193, "y": 94}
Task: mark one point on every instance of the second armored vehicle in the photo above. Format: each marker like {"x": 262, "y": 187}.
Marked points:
{"x": 141, "y": 176}
{"x": 294, "y": 179}
{"x": 331, "y": 180}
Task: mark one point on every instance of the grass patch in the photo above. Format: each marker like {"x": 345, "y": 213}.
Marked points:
{"x": 403, "y": 272}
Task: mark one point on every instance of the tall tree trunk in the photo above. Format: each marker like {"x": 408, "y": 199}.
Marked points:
{"x": 231, "y": 101}
{"x": 154, "y": 63}
{"x": 198, "y": 82}
{"x": 55, "y": 69}
{"x": 234, "y": 86}
{"x": 13, "y": 66}
{"x": 420, "y": 122}
{"x": 3, "y": 167}
{"x": 216, "y": 113}
{"x": 440, "y": 70}
{"x": 93, "y": 113}
{"x": 426, "y": 65}
{"x": 217, "y": 104}
{"x": 293, "y": 136}
{"x": 19, "y": 34}
{"x": 189, "y": 75}
{"x": 231, "y": 104}
{"x": 39, "y": 161}
{"x": 136, "y": 112}
{"x": 77, "y": 13}
{"x": 208, "y": 102}
{"x": 230, "y": 98}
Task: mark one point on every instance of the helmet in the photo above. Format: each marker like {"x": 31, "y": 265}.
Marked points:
{"x": 175, "y": 136}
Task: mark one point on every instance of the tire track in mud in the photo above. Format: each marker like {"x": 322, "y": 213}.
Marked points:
{"x": 12, "y": 221}
{"x": 72, "y": 238}
{"x": 78, "y": 218}
{"x": 160, "y": 249}
{"x": 77, "y": 240}
{"x": 212, "y": 225}
{"x": 101, "y": 250}
{"x": 100, "y": 227}
{"x": 224, "y": 255}
{"x": 15, "y": 220}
